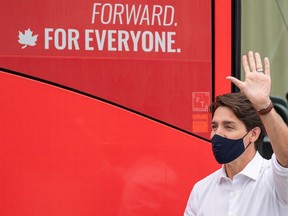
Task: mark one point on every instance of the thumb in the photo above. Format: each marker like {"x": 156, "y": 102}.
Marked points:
{"x": 234, "y": 80}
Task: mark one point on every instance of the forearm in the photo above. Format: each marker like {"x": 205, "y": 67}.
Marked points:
{"x": 277, "y": 132}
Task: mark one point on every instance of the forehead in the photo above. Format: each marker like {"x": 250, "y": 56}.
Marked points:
{"x": 225, "y": 114}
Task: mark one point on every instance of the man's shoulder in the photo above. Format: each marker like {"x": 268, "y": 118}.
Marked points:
{"x": 210, "y": 180}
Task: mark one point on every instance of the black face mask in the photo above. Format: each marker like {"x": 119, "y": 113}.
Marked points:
{"x": 226, "y": 150}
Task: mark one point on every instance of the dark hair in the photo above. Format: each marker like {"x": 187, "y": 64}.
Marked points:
{"x": 243, "y": 110}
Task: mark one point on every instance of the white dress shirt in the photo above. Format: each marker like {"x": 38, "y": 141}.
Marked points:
{"x": 260, "y": 189}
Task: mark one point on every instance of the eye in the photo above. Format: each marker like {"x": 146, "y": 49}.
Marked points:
{"x": 229, "y": 127}
{"x": 214, "y": 126}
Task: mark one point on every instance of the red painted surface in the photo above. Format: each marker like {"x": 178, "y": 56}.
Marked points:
{"x": 66, "y": 154}
{"x": 223, "y": 43}
{"x": 159, "y": 84}
{"x": 63, "y": 153}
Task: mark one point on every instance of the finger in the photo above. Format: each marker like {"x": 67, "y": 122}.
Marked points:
{"x": 258, "y": 61}
{"x": 251, "y": 61}
{"x": 234, "y": 80}
{"x": 267, "y": 66}
{"x": 245, "y": 64}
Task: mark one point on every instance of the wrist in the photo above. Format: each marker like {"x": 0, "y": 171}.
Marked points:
{"x": 265, "y": 110}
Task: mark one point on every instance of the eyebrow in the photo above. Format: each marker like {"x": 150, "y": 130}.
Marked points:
{"x": 225, "y": 122}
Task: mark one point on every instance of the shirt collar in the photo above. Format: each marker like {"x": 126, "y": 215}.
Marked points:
{"x": 252, "y": 169}
{"x": 222, "y": 175}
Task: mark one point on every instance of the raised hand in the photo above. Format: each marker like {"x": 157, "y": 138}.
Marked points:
{"x": 257, "y": 83}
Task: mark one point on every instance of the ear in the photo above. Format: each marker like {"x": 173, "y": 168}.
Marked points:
{"x": 255, "y": 132}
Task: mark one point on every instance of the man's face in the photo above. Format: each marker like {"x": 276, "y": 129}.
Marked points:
{"x": 226, "y": 124}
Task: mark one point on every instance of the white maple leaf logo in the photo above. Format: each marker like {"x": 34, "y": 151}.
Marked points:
{"x": 27, "y": 38}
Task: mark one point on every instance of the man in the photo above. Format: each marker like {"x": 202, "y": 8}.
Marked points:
{"x": 247, "y": 184}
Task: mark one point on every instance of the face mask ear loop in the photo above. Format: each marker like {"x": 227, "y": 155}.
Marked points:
{"x": 249, "y": 142}
{"x": 248, "y": 145}
{"x": 245, "y": 135}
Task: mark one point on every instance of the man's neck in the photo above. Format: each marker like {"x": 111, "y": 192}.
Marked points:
{"x": 236, "y": 166}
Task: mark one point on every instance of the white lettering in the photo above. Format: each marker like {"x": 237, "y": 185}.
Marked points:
{"x": 132, "y": 14}
{"x": 48, "y": 37}
{"x": 171, "y": 15}
{"x": 123, "y": 37}
{"x": 88, "y": 39}
{"x": 108, "y": 14}
{"x": 62, "y": 39}
{"x": 100, "y": 41}
{"x": 155, "y": 14}
{"x": 111, "y": 40}
{"x": 147, "y": 41}
{"x": 94, "y": 12}
{"x": 135, "y": 39}
{"x": 118, "y": 13}
{"x": 137, "y": 14}
{"x": 121, "y": 40}
{"x": 170, "y": 42}
{"x": 145, "y": 16}
{"x": 160, "y": 41}
{"x": 73, "y": 36}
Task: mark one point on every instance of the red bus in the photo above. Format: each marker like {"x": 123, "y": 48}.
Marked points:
{"x": 104, "y": 104}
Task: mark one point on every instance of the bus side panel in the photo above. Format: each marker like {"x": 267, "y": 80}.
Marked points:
{"x": 63, "y": 153}
{"x": 153, "y": 57}
{"x": 222, "y": 46}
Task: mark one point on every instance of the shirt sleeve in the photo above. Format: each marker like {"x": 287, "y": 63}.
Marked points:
{"x": 280, "y": 175}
